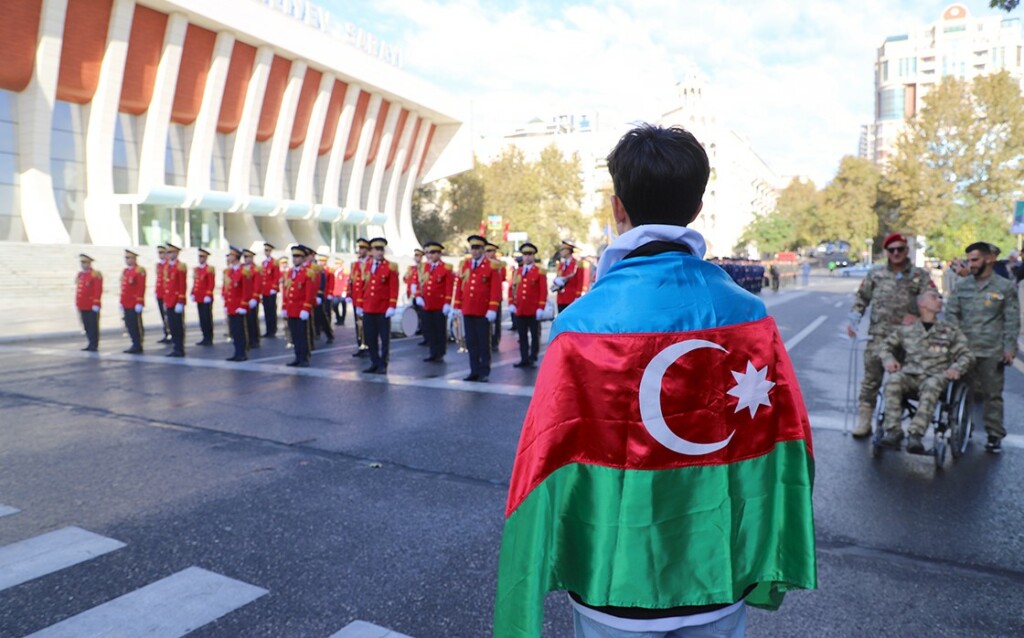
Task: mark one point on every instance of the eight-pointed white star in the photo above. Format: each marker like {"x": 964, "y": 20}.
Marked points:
{"x": 751, "y": 388}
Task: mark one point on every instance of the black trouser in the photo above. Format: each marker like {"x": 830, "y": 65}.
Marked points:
{"x": 252, "y": 326}
{"x": 163, "y": 316}
{"x": 515, "y": 319}
{"x": 91, "y": 323}
{"x": 528, "y": 348}
{"x": 339, "y": 315}
{"x": 176, "y": 325}
{"x": 322, "y": 319}
{"x": 270, "y": 314}
{"x": 133, "y": 324}
{"x": 377, "y": 329}
{"x": 299, "y": 331}
{"x": 238, "y": 326}
{"x": 478, "y": 343}
{"x": 434, "y": 331}
{"x": 205, "y": 311}
{"x": 561, "y": 307}
{"x": 496, "y": 330}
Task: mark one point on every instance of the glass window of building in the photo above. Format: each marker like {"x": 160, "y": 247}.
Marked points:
{"x": 260, "y": 153}
{"x": 67, "y": 167}
{"x": 890, "y": 104}
{"x": 176, "y": 158}
{"x": 205, "y": 229}
{"x": 10, "y": 209}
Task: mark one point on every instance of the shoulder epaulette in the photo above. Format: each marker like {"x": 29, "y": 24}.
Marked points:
{"x": 497, "y": 263}
{"x": 259, "y": 269}
{"x": 141, "y": 269}
{"x": 97, "y": 273}
{"x": 393, "y": 265}
{"x": 182, "y": 266}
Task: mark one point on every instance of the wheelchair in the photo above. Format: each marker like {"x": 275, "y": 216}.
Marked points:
{"x": 951, "y": 424}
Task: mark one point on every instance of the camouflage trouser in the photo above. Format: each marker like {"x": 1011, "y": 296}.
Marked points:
{"x": 987, "y": 383}
{"x": 928, "y": 390}
{"x": 873, "y": 372}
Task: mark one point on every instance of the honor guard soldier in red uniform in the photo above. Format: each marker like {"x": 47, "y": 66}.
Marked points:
{"x": 434, "y": 299}
{"x": 255, "y": 290}
{"x": 299, "y": 299}
{"x": 271, "y": 284}
{"x": 175, "y": 291}
{"x": 133, "y": 299}
{"x": 237, "y": 295}
{"x": 491, "y": 253}
{"x": 340, "y": 307}
{"x": 477, "y": 295}
{"x": 325, "y": 298}
{"x": 411, "y": 279}
{"x": 355, "y": 291}
{"x": 377, "y": 304}
{"x": 203, "y": 283}
{"x": 567, "y": 280}
{"x": 530, "y": 286}
{"x": 161, "y": 266}
{"x": 88, "y": 290}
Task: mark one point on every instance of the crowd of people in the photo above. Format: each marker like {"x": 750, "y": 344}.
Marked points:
{"x": 923, "y": 351}
{"x": 313, "y": 296}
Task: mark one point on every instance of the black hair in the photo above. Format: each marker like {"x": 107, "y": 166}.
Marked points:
{"x": 982, "y": 247}
{"x": 659, "y": 174}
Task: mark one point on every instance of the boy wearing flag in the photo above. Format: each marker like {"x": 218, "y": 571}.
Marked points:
{"x": 664, "y": 470}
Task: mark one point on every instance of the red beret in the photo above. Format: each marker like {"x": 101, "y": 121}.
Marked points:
{"x": 891, "y": 237}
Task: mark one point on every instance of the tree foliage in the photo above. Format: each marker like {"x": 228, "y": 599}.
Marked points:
{"x": 1005, "y": 5}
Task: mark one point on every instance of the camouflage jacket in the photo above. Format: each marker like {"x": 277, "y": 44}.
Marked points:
{"x": 988, "y": 314}
{"x": 892, "y": 295}
{"x": 928, "y": 352}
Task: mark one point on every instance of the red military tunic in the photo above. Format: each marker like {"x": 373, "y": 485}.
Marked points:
{"x": 341, "y": 283}
{"x": 235, "y": 296}
{"x": 175, "y": 283}
{"x": 271, "y": 280}
{"x": 161, "y": 285}
{"x": 133, "y": 287}
{"x": 299, "y": 291}
{"x": 379, "y": 290}
{"x": 572, "y": 289}
{"x": 356, "y": 280}
{"x": 88, "y": 289}
{"x": 477, "y": 290}
{"x": 411, "y": 280}
{"x": 438, "y": 285}
{"x": 529, "y": 291}
{"x": 586, "y": 272}
{"x": 249, "y": 283}
{"x": 203, "y": 283}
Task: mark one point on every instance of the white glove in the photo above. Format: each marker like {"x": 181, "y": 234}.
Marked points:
{"x": 242, "y": 311}
{"x": 390, "y": 312}
{"x": 138, "y": 308}
{"x": 540, "y": 314}
{"x": 512, "y": 309}
{"x": 95, "y": 308}
{"x": 319, "y": 301}
{"x": 413, "y": 288}
{"x": 330, "y": 297}
{"x": 207, "y": 299}
{"x": 359, "y": 312}
{"x": 272, "y": 292}
{"x": 348, "y": 300}
{"x": 252, "y": 303}
{"x": 193, "y": 298}
{"x": 304, "y": 315}
{"x": 178, "y": 308}
{"x": 446, "y": 309}
{"x": 419, "y": 301}
{"x": 284, "y": 314}
{"x": 491, "y": 315}
{"x": 559, "y": 281}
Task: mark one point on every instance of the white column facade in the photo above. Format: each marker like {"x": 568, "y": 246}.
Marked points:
{"x": 353, "y": 195}
{"x": 273, "y": 183}
{"x": 405, "y": 230}
{"x": 372, "y": 196}
{"x": 332, "y": 177}
{"x": 197, "y": 179}
{"x": 393, "y": 179}
{"x": 157, "y": 118}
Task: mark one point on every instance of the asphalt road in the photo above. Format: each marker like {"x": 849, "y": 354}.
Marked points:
{"x": 298, "y": 501}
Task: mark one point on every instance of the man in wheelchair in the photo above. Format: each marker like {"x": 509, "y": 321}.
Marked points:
{"x": 934, "y": 353}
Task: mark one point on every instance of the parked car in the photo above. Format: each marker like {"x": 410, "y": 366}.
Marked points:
{"x": 858, "y": 270}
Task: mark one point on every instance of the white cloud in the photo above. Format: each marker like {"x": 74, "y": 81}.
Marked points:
{"x": 793, "y": 76}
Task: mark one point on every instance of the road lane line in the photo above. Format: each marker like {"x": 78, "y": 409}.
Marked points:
{"x": 800, "y": 336}
{"x": 47, "y": 553}
{"x": 7, "y": 510}
{"x": 777, "y": 299}
{"x": 1017, "y": 364}
{"x": 363, "y": 629}
{"x": 839, "y": 304}
{"x": 168, "y": 608}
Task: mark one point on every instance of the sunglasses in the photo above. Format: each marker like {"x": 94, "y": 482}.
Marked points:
{"x": 896, "y": 249}
{"x": 433, "y": 252}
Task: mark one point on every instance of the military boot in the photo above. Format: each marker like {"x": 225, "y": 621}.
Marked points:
{"x": 865, "y": 417}
{"x": 892, "y": 439}
{"x": 915, "y": 443}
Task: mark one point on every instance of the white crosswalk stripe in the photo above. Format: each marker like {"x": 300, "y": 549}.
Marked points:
{"x": 47, "y": 553}
{"x": 363, "y": 629}
{"x": 168, "y": 608}
{"x": 7, "y": 510}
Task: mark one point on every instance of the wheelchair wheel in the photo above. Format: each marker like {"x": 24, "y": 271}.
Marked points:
{"x": 961, "y": 423}
{"x": 940, "y": 450}
{"x": 878, "y": 419}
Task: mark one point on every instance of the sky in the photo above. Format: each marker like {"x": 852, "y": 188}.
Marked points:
{"x": 795, "y": 77}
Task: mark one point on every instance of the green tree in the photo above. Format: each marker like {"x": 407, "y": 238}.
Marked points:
{"x": 428, "y": 221}
{"x": 800, "y": 203}
{"x": 1005, "y": 5}
{"x": 770, "y": 233}
{"x": 849, "y": 203}
{"x": 464, "y": 201}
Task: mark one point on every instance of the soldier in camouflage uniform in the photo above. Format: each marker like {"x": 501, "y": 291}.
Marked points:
{"x": 934, "y": 352}
{"x": 891, "y": 291}
{"x": 985, "y": 307}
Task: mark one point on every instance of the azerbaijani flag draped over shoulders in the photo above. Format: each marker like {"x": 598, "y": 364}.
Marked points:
{"x": 666, "y": 456}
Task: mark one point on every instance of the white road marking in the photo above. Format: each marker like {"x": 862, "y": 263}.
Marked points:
{"x": 1018, "y": 365}
{"x": 7, "y": 510}
{"x": 775, "y": 300}
{"x": 800, "y": 336}
{"x": 168, "y": 608}
{"x": 47, "y": 553}
{"x": 840, "y": 304}
{"x": 363, "y": 629}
